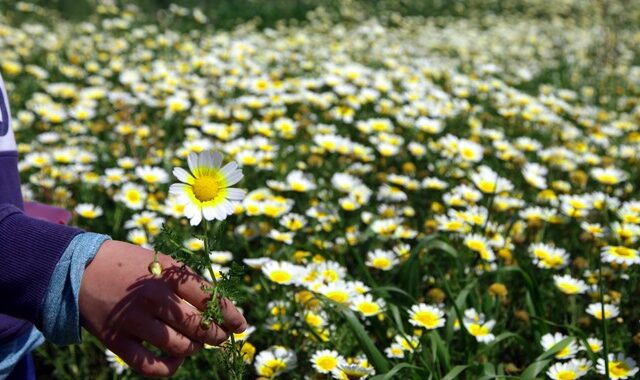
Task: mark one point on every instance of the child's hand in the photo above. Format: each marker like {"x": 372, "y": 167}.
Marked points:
{"x": 123, "y": 305}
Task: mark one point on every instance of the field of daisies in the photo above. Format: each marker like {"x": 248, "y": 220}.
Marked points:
{"x": 422, "y": 198}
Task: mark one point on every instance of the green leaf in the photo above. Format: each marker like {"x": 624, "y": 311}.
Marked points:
{"x": 385, "y": 290}
{"x": 409, "y": 274}
{"x": 555, "y": 348}
{"x": 453, "y": 374}
{"x": 397, "y": 368}
{"x": 395, "y": 313}
{"x": 373, "y": 354}
{"x": 440, "y": 349}
{"x": 444, "y": 247}
{"x": 499, "y": 338}
{"x": 532, "y": 371}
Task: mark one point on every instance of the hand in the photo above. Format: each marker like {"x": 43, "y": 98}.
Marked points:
{"x": 123, "y": 305}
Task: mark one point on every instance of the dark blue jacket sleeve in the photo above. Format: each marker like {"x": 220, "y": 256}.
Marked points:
{"x": 29, "y": 249}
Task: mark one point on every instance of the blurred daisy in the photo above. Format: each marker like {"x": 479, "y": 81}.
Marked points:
{"x": 620, "y": 367}
{"x": 116, "y": 362}
{"x": 565, "y": 371}
{"x": 595, "y": 345}
{"x": 325, "y": 361}
{"x": 426, "y": 316}
{"x": 274, "y": 361}
{"x": 152, "y": 175}
{"x": 610, "y": 311}
{"x": 567, "y": 352}
{"x": 206, "y": 190}
{"x": 281, "y": 272}
{"x": 608, "y": 176}
{"x": 367, "y": 306}
{"x": 132, "y": 195}
{"x": 220, "y": 257}
{"x": 620, "y": 254}
{"x": 88, "y": 211}
{"x": 299, "y": 182}
{"x": 194, "y": 244}
{"x": 569, "y": 285}
{"x": 380, "y": 259}
{"x": 352, "y": 371}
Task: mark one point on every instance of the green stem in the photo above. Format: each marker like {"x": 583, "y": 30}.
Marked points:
{"x": 603, "y": 319}
{"x": 234, "y": 348}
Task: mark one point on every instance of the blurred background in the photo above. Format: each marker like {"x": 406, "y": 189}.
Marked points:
{"x": 228, "y": 13}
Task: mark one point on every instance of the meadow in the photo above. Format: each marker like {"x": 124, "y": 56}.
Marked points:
{"x": 430, "y": 191}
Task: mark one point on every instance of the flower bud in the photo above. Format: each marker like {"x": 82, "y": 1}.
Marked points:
{"x": 155, "y": 268}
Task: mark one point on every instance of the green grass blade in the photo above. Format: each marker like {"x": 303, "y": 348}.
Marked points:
{"x": 395, "y": 370}
{"x": 373, "y": 354}
{"x": 455, "y": 371}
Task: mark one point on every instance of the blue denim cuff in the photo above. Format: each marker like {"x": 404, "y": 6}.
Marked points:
{"x": 12, "y": 352}
{"x": 60, "y": 309}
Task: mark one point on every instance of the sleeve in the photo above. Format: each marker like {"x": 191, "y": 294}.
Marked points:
{"x": 30, "y": 249}
{"x": 60, "y": 309}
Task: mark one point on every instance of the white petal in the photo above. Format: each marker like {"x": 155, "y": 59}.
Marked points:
{"x": 190, "y": 210}
{"x": 197, "y": 218}
{"x": 229, "y": 168}
{"x": 217, "y": 159}
{"x": 234, "y": 178}
{"x": 209, "y": 212}
{"x": 220, "y": 215}
{"x": 226, "y": 207}
{"x": 182, "y": 175}
{"x": 192, "y": 160}
{"x": 235, "y": 194}
{"x": 177, "y": 189}
{"x": 206, "y": 159}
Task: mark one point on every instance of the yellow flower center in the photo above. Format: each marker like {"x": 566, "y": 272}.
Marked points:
{"x": 623, "y": 251}
{"x": 608, "y": 179}
{"x": 618, "y": 369}
{"x": 272, "y": 367}
{"x": 381, "y": 263}
{"x": 468, "y": 153}
{"x": 280, "y": 276}
{"x": 476, "y": 245}
{"x": 90, "y": 214}
{"x": 478, "y": 330}
{"x": 427, "y": 319}
{"x": 133, "y": 196}
{"x": 487, "y": 186}
{"x": 368, "y": 308}
{"x": 568, "y": 288}
{"x": 206, "y": 188}
{"x": 563, "y": 353}
{"x": 338, "y": 296}
{"x": 327, "y": 363}
{"x": 566, "y": 375}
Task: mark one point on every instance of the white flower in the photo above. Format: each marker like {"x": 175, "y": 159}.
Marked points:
{"x": 567, "y": 352}
{"x": 206, "y": 190}
{"x": 620, "y": 367}
{"x": 610, "y": 311}
{"x": 88, "y": 211}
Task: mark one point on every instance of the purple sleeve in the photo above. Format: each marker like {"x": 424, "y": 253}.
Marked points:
{"x": 29, "y": 249}
{"x": 10, "y": 179}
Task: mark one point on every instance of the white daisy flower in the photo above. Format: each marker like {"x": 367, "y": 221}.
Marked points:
{"x": 206, "y": 190}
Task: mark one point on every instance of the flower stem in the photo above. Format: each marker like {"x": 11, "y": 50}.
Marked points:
{"x": 603, "y": 319}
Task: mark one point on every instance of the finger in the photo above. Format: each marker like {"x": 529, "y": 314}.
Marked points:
{"x": 186, "y": 320}
{"x": 234, "y": 321}
{"x": 165, "y": 337}
{"x": 187, "y": 284}
{"x": 142, "y": 360}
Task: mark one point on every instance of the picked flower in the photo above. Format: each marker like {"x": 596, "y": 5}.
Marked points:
{"x": 206, "y": 190}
